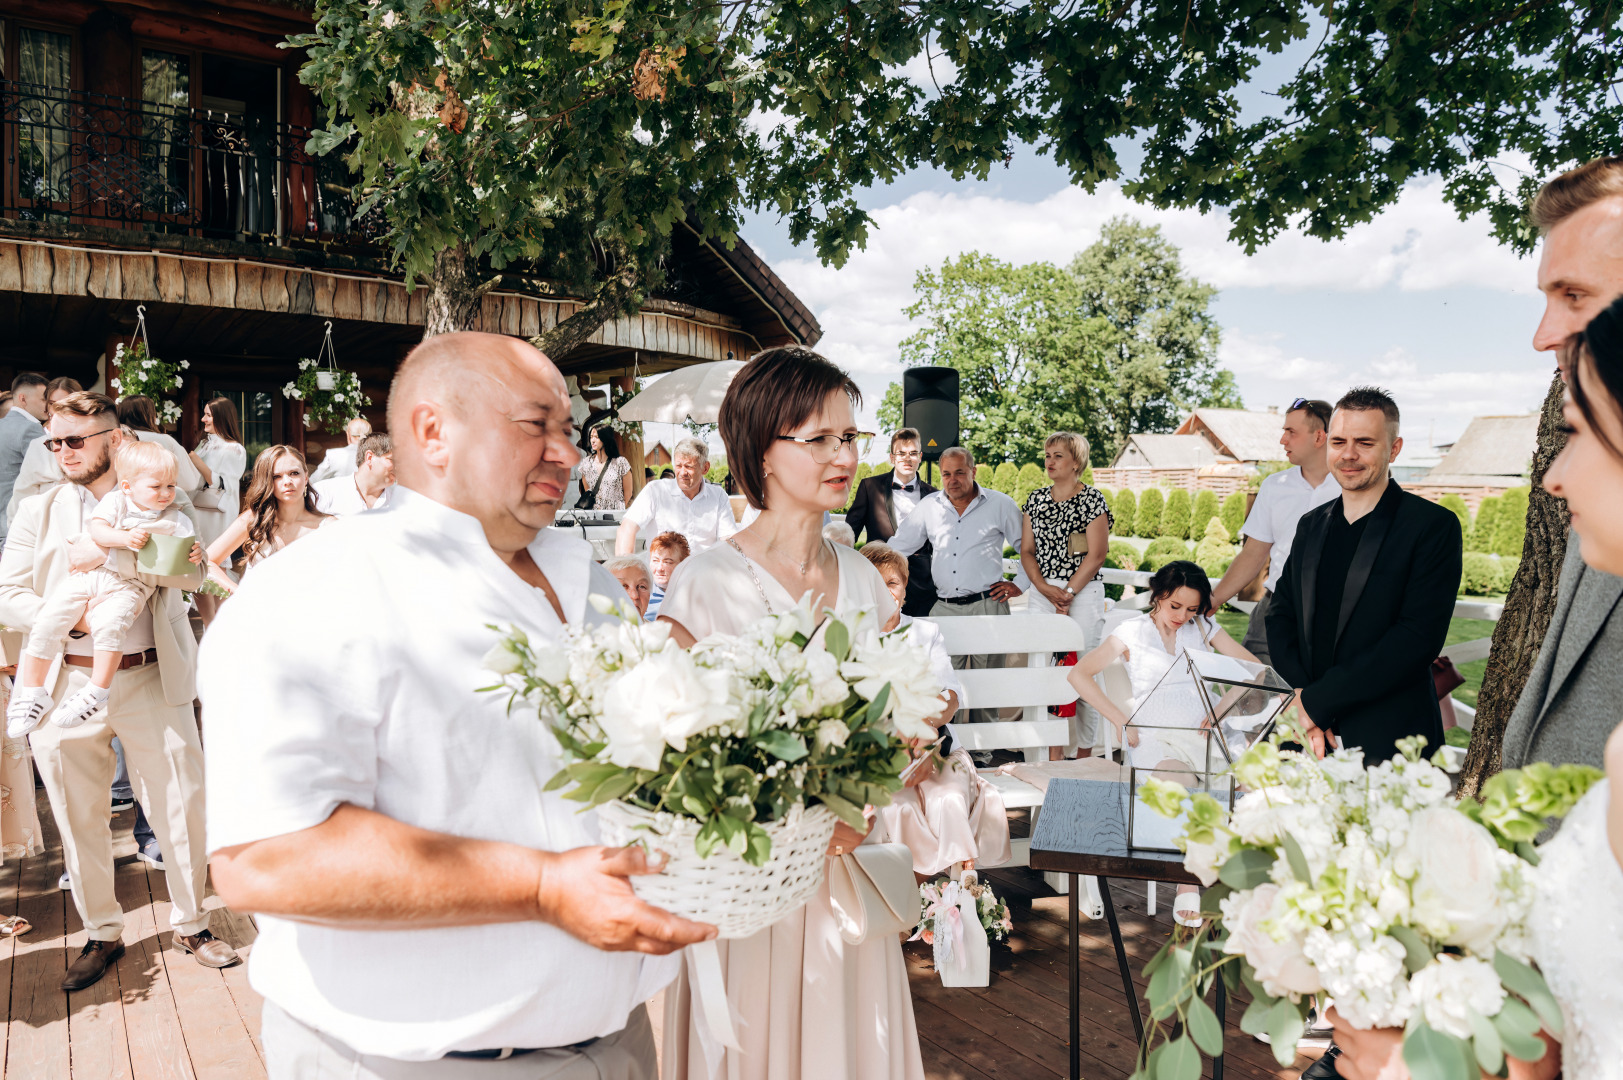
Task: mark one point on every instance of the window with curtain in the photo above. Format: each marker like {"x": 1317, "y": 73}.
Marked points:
{"x": 166, "y": 94}
{"x": 44, "y": 135}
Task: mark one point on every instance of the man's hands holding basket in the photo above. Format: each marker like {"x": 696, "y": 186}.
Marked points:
{"x": 587, "y": 893}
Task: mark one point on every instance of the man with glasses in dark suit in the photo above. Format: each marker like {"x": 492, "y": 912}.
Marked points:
{"x": 884, "y": 501}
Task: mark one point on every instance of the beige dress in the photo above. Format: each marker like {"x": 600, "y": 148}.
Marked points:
{"x": 808, "y": 1006}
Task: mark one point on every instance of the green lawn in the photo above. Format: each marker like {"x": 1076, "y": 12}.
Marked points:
{"x": 1458, "y": 630}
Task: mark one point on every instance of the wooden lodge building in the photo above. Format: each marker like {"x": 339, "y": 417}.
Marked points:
{"x": 153, "y": 154}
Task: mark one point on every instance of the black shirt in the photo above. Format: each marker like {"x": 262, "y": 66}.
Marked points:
{"x": 1335, "y": 559}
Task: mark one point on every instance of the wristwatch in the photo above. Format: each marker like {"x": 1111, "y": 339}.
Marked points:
{"x": 1069, "y": 591}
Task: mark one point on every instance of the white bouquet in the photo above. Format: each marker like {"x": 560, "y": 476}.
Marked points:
{"x": 719, "y": 755}
{"x": 1374, "y": 887}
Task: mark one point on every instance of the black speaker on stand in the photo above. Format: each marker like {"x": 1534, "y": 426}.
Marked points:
{"x": 930, "y": 404}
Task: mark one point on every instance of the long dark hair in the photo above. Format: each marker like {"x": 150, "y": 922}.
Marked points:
{"x": 261, "y": 500}
{"x": 225, "y": 420}
{"x": 1181, "y": 574}
{"x": 1601, "y": 342}
{"x": 610, "y": 440}
{"x": 138, "y": 413}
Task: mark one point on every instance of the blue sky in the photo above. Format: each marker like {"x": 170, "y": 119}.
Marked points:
{"x": 1417, "y": 300}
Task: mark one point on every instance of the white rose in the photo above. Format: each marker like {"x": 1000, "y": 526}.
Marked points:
{"x": 502, "y": 658}
{"x": 669, "y": 695}
{"x": 1450, "y": 988}
{"x": 915, "y": 694}
{"x": 1455, "y": 863}
{"x": 1205, "y": 860}
{"x": 832, "y": 733}
{"x": 1280, "y": 964}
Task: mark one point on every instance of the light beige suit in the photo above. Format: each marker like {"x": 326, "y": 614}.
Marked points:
{"x": 149, "y": 710}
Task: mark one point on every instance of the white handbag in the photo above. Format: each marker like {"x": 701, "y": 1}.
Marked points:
{"x": 873, "y": 891}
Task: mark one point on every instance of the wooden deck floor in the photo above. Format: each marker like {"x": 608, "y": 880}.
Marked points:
{"x": 160, "y": 1015}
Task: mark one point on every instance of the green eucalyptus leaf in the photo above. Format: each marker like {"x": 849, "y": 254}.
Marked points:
{"x": 846, "y": 811}
{"x": 1527, "y": 982}
{"x": 1518, "y": 1030}
{"x": 1285, "y": 1025}
{"x": 1298, "y": 861}
{"x": 782, "y": 744}
{"x": 1204, "y": 1028}
{"x": 1436, "y": 1055}
{"x": 1254, "y": 1021}
{"x": 1175, "y": 1060}
{"x": 837, "y": 640}
{"x": 1486, "y": 1044}
{"x": 1416, "y": 955}
{"x": 1247, "y": 869}
{"x": 1170, "y": 984}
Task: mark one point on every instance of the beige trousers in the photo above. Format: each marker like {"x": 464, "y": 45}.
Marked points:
{"x": 296, "y": 1051}
{"x": 165, "y": 759}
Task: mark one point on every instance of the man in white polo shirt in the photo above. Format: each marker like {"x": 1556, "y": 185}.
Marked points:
{"x": 699, "y": 511}
{"x": 367, "y": 488}
{"x": 1281, "y": 501}
{"x": 966, "y": 527}
{"x": 425, "y": 909}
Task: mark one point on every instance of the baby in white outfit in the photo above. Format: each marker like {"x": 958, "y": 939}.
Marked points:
{"x": 142, "y": 504}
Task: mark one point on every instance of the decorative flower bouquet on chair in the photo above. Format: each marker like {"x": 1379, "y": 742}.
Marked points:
{"x": 1373, "y": 887}
{"x": 733, "y": 760}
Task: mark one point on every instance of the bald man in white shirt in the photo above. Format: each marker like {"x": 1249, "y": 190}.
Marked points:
{"x": 425, "y": 909}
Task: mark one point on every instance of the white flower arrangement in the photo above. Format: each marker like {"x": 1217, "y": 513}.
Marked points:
{"x": 1372, "y": 886}
{"x": 143, "y": 375}
{"x": 939, "y": 898}
{"x": 735, "y": 732}
{"x": 332, "y": 407}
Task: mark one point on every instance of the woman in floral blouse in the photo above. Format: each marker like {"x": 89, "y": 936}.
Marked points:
{"x": 1062, "y": 548}
{"x": 614, "y": 491}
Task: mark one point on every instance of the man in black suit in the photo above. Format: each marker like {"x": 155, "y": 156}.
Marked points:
{"x": 1363, "y": 603}
{"x": 884, "y": 501}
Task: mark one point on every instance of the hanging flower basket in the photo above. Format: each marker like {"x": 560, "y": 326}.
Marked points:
{"x": 332, "y": 396}
{"x": 140, "y": 374}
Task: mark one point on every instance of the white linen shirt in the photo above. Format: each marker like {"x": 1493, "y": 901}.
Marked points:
{"x": 705, "y": 520}
{"x": 1281, "y": 501}
{"x": 966, "y": 549}
{"x": 381, "y": 708}
{"x": 340, "y": 497}
{"x": 904, "y": 498}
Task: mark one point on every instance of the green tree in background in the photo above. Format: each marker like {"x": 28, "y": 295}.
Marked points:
{"x": 1175, "y": 517}
{"x": 1511, "y": 529}
{"x": 1215, "y": 551}
{"x": 1150, "y": 505}
{"x": 1204, "y": 510}
{"x": 1233, "y": 514}
{"x": 1453, "y": 502}
{"x": 1125, "y": 511}
{"x": 1030, "y": 478}
{"x": 1486, "y": 530}
{"x": 890, "y": 409}
{"x": 983, "y": 474}
{"x": 1004, "y": 477}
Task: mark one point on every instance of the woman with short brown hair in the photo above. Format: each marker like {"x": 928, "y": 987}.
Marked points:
{"x": 812, "y": 1007}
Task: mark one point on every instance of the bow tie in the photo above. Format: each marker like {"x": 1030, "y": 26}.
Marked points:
{"x": 900, "y": 487}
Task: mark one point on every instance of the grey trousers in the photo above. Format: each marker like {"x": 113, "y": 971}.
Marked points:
{"x": 296, "y": 1051}
{"x": 944, "y": 610}
{"x": 1256, "y": 632}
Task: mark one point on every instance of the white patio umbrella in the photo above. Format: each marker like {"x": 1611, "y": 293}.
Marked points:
{"x": 690, "y": 393}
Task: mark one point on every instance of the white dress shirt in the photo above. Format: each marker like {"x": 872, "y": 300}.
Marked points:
{"x": 381, "y": 708}
{"x": 337, "y": 461}
{"x": 340, "y": 497}
{"x": 1281, "y": 501}
{"x": 706, "y": 519}
{"x": 966, "y": 549}
{"x": 904, "y": 498}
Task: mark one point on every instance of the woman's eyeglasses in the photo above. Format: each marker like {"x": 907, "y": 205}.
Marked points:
{"x": 73, "y": 442}
{"x": 825, "y": 448}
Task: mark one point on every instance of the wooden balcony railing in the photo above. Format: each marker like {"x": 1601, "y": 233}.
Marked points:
{"x": 91, "y": 159}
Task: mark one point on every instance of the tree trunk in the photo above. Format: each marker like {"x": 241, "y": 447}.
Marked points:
{"x": 454, "y": 294}
{"x": 1528, "y": 606}
{"x": 619, "y": 294}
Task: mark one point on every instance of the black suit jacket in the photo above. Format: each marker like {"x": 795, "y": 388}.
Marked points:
{"x": 873, "y": 510}
{"x": 1395, "y": 609}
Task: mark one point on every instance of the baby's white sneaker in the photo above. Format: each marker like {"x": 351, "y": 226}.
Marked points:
{"x": 27, "y": 710}
{"x": 80, "y": 707}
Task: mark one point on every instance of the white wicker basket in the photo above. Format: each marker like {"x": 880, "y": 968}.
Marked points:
{"x": 724, "y": 890}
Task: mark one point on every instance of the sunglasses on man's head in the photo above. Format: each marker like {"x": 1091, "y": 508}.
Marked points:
{"x": 1320, "y": 409}
{"x": 73, "y": 442}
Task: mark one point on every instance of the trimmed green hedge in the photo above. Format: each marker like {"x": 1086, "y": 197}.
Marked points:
{"x": 1233, "y": 514}
{"x": 1205, "y": 508}
{"x": 1150, "y": 505}
{"x": 1162, "y": 551}
{"x": 1125, "y": 511}
{"x": 1175, "y": 518}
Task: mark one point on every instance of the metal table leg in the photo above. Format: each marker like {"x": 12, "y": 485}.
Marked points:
{"x": 1076, "y": 981}
{"x": 1222, "y": 1000}
{"x": 1121, "y": 957}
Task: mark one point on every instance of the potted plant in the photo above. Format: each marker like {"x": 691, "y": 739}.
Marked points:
{"x": 140, "y": 374}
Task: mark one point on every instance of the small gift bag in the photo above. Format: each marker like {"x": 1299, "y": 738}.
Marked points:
{"x": 963, "y": 956}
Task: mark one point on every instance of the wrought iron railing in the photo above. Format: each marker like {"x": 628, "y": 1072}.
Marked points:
{"x": 93, "y": 159}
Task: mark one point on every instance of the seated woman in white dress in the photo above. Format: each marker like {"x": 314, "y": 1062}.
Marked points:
{"x": 811, "y": 1006}
{"x": 1178, "y": 621}
{"x": 947, "y": 816}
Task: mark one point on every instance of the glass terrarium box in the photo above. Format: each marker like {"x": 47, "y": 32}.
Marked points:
{"x": 1201, "y": 715}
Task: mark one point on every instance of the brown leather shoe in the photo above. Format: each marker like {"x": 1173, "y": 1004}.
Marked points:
{"x": 210, "y": 951}
{"x": 94, "y": 960}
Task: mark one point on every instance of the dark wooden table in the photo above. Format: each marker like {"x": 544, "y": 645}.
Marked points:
{"x": 1083, "y": 830}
